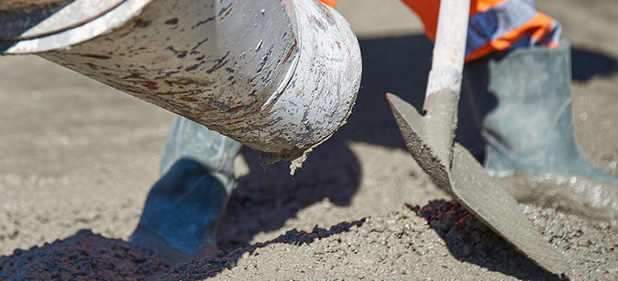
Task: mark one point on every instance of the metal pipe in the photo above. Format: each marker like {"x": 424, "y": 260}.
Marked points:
{"x": 278, "y": 76}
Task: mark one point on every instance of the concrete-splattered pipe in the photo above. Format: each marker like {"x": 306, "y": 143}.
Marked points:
{"x": 280, "y": 76}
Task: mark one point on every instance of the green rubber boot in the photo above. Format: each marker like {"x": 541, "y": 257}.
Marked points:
{"x": 182, "y": 210}
{"x": 524, "y": 100}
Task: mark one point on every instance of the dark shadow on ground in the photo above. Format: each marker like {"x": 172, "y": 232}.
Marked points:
{"x": 265, "y": 199}
{"x": 88, "y": 256}
{"x": 588, "y": 64}
{"x": 83, "y": 256}
{"x": 469, "y": 240}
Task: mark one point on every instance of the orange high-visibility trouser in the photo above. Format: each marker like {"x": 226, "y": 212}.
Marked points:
{"x": 495, "y": 25}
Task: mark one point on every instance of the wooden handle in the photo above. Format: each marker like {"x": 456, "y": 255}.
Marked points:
{"x": 444, "y": 84}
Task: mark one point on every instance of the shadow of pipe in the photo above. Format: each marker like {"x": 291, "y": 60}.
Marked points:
{"x": 265, "y": 199}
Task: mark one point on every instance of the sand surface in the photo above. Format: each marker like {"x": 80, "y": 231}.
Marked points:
{"x": 75, "y": 154}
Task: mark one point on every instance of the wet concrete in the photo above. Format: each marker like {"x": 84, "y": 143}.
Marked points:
{"x": 76, "y": 154}
{"x": 574, "y": 194}
{"x": 441, "y": 239}
{"x": 85, "y": 256}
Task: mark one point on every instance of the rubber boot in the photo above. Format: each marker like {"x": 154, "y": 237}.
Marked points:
{"x": 524, "y": 100}
{"x": 182, "y": 210}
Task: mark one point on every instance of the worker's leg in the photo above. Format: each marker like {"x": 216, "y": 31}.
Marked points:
{"x": 524, "y": 97}
{"x": 183, "y": 208}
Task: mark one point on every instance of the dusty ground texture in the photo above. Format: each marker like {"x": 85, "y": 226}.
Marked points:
{"x": 75, "y": 155}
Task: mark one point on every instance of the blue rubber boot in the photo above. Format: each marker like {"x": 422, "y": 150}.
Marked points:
{"x": 524, "y": 100}
{"x": 182, "y": 210}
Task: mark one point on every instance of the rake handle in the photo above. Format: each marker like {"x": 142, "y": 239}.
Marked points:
{"x": 444, "y": 82}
